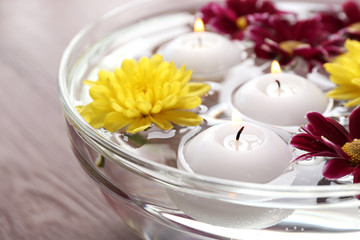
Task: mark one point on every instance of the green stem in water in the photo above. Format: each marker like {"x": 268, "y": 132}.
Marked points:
{"x": 100, "y": 161}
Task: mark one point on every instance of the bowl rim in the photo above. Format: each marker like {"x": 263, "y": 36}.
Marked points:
{"x": 167, "y": 175}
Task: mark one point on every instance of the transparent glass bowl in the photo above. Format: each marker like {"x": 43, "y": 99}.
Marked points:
{"x": 143, "y": 185}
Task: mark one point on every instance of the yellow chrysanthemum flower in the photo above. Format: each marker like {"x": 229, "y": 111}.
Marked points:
{"x": 345, "y": 72}
{"x": 137, "y": 95}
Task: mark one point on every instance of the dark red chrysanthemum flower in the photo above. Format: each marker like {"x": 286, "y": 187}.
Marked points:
{"x": 284, "y": 37}
{"x": 347, "y": 24}
{"x": 327, "y": 138}
{"x": 236, "y": 15}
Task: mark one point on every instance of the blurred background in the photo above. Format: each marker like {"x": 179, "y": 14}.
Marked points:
{"x": 44, "y": 193}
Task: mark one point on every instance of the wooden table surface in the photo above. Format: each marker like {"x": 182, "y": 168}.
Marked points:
{"x": 44, "y": 193}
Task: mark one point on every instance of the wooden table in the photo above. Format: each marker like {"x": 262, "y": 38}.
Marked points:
{"x": 44, "y": 193}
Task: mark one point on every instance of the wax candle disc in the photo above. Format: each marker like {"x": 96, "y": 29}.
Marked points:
{"x": 209, "y": 55}
{"x": 255, "y": 155}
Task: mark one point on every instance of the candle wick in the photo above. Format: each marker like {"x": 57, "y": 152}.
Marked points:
{"x": 239, "y": 133}
{"x": 238, "y": 137}
{"x": 200, "y": 41}
{"x": 279, "y": 87}
{"x": 278, "y": 83}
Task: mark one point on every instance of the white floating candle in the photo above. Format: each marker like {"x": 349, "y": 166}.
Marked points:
{"x": 279, "y": 98}
{"x": 216, "y": 152}
{"x": 208, "y": 54}
{"x": 254, "y": 155}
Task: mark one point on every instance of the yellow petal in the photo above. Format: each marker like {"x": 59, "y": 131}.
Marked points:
{"x": 130, "y": 103}
{"x": 115, "y": 121}
{"x": 198, "y": 89}
{"x": 99, "y": 92}
{"x": 132, "y": 113}
{"x": 175, "y": 88}
{"x": 104, "y": 76}
{"x": 161, "y": 122}
{"x": 188, "y": 102}
{"x": 340, "y": 80}
{"x": 179, "y": 76}
{"x": 144, "y": 107}
{"x": 156, "y": 59}
{"x": 353, "y": 103}
{"x": 353, "y": 46}
{"x": 344, "y": 93}
{"x": 128, "y": 66}
{"x": 164, "y": 91}
{"x": 356, "y": 81}
{"x": 89, "y": 83}
{"x": 187, "y": 76}
{"x": 169, "y": 102}
{"x": 183, "y": 118}
{"x": 339, "y": 74}
{"x": 149, "y": 95}
{"x": 86, "y": 112}
{"x": 94, "y": 115}
{"x": 145, "y": 67}
{"x": 157, "y": 107}
{"x": 116, "y": 107}
{"x": 102, "y": 105}
{"x": 139, "y": 124}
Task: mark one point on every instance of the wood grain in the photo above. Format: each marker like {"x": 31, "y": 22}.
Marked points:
{"x": 44, "y": 193}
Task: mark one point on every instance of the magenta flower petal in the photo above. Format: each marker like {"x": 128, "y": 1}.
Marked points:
{"x": 327, "y": 138}
{"x": 352, "y": 11}
{"x": 268, "y": 6}
{"x": 335, "y": 149}
{"x": 281, "y": 26}
{"x": 315, "y": 147}
{"x": 238, "y": 35}
{"x": 334, "y": 40}
{"x": 224, "y": 19}
{"x": 295, "y": 38}
{"x": 340, "y": 128}
{"x": 334, "y": 49}
{"x": 331, "y": 22}
{"x": 308, "y": 53}
{"x": 209, "y": 11}
{"x": 357, "y": 175}
{"x": 357, "y": 178}
{"x": 258, "y": 34}
{"x": 264, "y": 51}
{"x": 307, "y": 143}
{"x": 330, "y": 129}
{"x": 354, "y": 123}
{"x": 242, "y": 7}
{"x": 223, "y": 25}
{"x": 229, "y": 14}
{"x": 337, "y": 168}
{"x": 215, "y": 10}
{"x": 304, "y": 29}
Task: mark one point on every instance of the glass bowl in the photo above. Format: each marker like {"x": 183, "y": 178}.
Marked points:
{"x": 141, "y": 182}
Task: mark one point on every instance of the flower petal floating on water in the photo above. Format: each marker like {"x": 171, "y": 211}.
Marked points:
{"x": 236, "y": 15}
{"x": 345, "y": 21}
{"x": 284, "y": 37}
{"x": 327, "y": 138}
{"x": 345, "y": 72}
{"x": 140, "y": 94}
